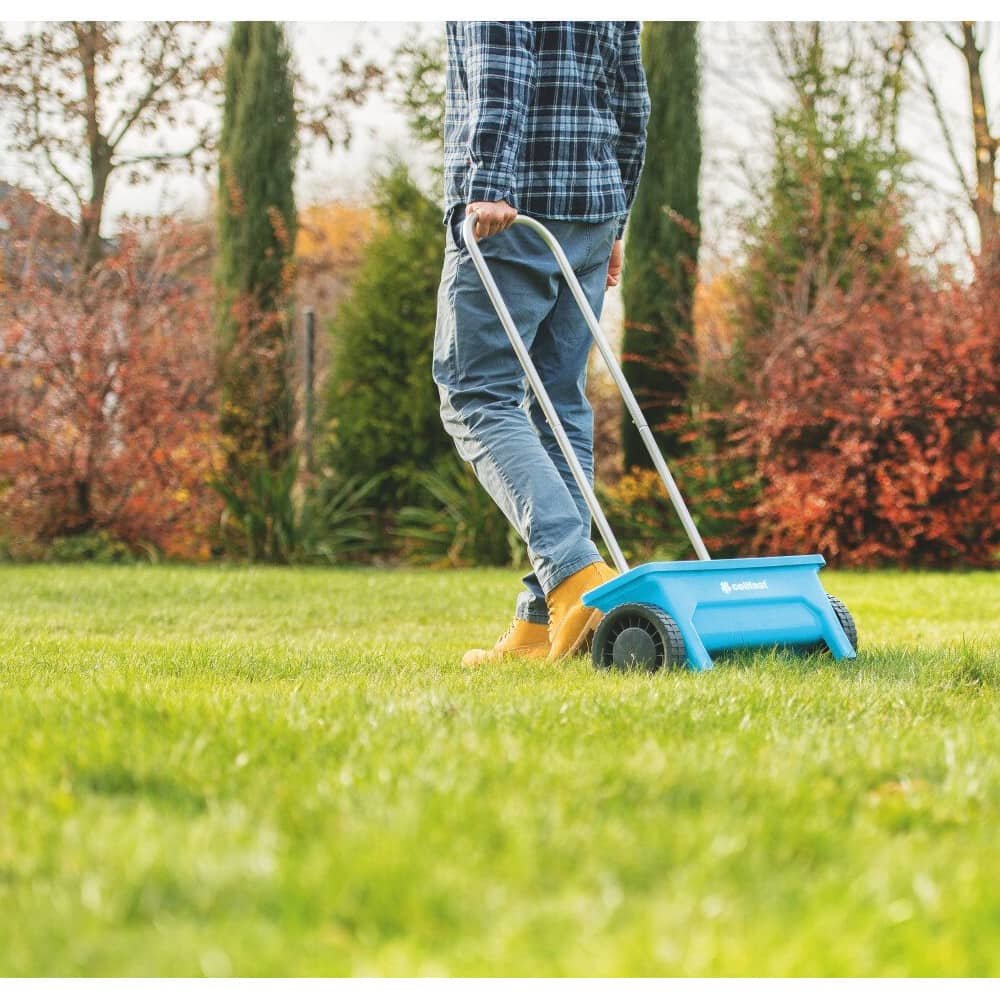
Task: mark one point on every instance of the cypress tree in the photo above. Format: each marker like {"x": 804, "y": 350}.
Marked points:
{"x": 663, "y": 238}
{"x": 254, "y": 270}
{"x": 381, "y": 413}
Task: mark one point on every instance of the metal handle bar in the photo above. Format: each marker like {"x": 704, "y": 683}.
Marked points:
{"x": 546, "y": 404}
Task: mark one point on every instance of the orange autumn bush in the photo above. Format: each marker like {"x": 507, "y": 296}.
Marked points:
{"x": 108, "y": 401}
{"x": 872, "y": 426}
{"x": 865, "y": 428}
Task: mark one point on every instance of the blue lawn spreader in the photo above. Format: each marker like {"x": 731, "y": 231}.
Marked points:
{"x": 668, "y": 614}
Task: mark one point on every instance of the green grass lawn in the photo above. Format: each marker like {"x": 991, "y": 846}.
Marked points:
{"x": 265, "y": 771}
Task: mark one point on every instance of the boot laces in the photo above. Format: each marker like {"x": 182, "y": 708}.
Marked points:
{"x": 508, "y": 633}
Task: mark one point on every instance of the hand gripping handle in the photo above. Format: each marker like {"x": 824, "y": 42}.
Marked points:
{"x": 546, "y": 404}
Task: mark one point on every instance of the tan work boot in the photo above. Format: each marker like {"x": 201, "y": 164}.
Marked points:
{"x": 572, "y": 623}
{"x": 521, "y": 639}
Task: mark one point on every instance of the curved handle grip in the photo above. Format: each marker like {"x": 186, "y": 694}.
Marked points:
{"x": 610, "y": 360}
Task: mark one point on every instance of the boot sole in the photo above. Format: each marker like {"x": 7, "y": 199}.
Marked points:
{"x": 581, "y": 644}
{"x": 527, "y": 653}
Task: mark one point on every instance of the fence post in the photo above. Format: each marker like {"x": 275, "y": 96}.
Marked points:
{"x": 309, "y": 384}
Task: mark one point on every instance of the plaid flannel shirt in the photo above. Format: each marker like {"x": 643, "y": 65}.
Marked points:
{"x": 549, "y": 116}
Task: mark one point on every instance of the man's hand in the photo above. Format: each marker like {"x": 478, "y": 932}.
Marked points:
{"x": 492, "y": 217}
{"x": 615, "y": 265}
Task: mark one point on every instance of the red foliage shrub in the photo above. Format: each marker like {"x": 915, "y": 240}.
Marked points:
{"x": 107, "y": 402}
{"x": 872, "y": 422}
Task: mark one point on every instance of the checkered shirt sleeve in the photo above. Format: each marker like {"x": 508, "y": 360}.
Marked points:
{"x": 500, "y": 69}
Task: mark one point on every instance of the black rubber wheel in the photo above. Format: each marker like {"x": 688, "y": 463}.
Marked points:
{"x": 846, "y": 622}
{"x": 638, "y": 637}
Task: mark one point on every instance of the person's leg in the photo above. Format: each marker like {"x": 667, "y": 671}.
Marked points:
{"x": 530, "y": 605}
{"x": 482, "y": 389}
{"x": 560, "y": 352}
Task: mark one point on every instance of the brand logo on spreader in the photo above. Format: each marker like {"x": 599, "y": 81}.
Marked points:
{"x": 728, "y": 588}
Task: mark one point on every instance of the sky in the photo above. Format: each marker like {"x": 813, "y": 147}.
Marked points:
{"x": 737, "y": 84}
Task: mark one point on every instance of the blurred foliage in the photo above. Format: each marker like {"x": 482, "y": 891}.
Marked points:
{"x": 456, "y": 523}
{"x": 843, "y": 403}
{"x": 381, "y": 407}
{"x": 133, "y": 106}
{"x": 826, "y": 415}
{"x": 418, "y": 87}
{"x": 269, "y": 522}
{"x": 330, "y": 235}
{"x": 260, "y": 515}
{"x": 94, "y": 546}
{"x": 83, "y": 101}
{"x": 337, "y": 522}
{"x": 854, "y": 395}
{"x": 108, "y": 398}
{"x": 718, "y": 487}
{"x": 257, "y": 224}
{"x": 872, "y": 425}
{"x": 661, "y": 267}
{"x": 832, "y": 197}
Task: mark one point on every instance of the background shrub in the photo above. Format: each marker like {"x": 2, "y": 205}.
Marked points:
{"x": 381, "y": 409}
{"x": 108, "y": 402}
{"x": 456, "y": 523}
{"x": 872, "y": 424}
{"x": 95, "y": 546}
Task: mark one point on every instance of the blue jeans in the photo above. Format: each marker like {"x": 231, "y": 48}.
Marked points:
{"x": 487, "y": 406}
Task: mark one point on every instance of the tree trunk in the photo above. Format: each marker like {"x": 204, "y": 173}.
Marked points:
{"x": 985, "y": 145}
{"x": 88, "y": 36}
{"x": 84, "y": 512}
{"x": 91, "y": 248}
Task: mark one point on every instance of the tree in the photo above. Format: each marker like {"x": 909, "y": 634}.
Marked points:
{"x": 832, "y": 197}
{"x": 107, "y": 400}
{"x": 827, "y": 215}
{"x": 663, "y": 239}
{"x": 254, "y": 268}
{"x": 418, "y": 88}
{"x": 91, "y": 101}
{"x": 980, "y": 190}
{"x": 86, "y": 99}
{"x": 381, "y": 414}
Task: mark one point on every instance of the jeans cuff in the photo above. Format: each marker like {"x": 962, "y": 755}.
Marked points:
{"x": 532, "y": 609}
{"x": 550, "y": 581}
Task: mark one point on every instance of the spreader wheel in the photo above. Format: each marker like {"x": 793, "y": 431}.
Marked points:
{"x": 846, "y": 622}
{"x": 638, "y": 637}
